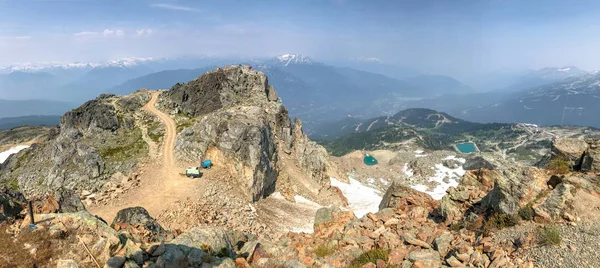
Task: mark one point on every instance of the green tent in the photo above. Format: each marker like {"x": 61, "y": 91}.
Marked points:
{"x": 370, "y": 160}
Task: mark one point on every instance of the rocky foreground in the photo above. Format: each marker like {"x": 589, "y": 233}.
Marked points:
{"x": 511, "y": 217}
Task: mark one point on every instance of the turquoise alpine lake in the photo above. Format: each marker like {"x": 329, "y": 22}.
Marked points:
{"x": 466, "y": 147}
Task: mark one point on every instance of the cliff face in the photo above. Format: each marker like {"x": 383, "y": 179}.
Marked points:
{"x": 241, "y": 124}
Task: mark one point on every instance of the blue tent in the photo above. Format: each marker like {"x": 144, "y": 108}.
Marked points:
{"x": 370, "y": 160}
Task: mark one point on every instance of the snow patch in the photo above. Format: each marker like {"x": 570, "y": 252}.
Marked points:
{"x": 4, "y": 155}
{"x": 361, "y": 199}
{"x": 451, "y": 175}
{"x": 299, "y": 230}
{"x": 304, "y": 201}
{"x": 407, "y": 171}
{"x": 384, "y": 181}
{"x": 453, "y": 157}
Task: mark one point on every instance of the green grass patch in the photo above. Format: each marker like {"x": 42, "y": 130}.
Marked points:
{"x": 526, "y": 213}
{"x": 370, "y": 256}
{"x": 127, "y": 147}
{"x": 500, "y": 221}
{"x": 183, "y": 121}
{"x": 549, "y": 235}
{"x": 323, "y": 251}
{"x": 154, "y": 131}
{"x": 559, "y": 166}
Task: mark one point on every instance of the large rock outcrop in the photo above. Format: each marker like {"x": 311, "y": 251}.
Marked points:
{"x": 94, "y": 142}
{"x": 581, "y": 155}
{"x": 514, "y": 188}
{"x": 242, "y": 126}
{"x": 569, "y": 149}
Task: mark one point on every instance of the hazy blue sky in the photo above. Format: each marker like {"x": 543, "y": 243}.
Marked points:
{"x": 438, "y": 36}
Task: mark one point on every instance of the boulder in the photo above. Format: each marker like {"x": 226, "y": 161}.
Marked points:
{"x": 400, "y": 195}
{"x": 591, "y": 158}
{"x": 569, "y": 149}
{"x": 212, "y": 239}
{"x": 115, "y": 262}
{"x": 430, "y": 258}
{"x": 69, "y": 202}
{"x": 173, "y": 257}
{"x": 131, "y": 264}
{"x": 555, "y": 204}
{"x": 477, "y": 162}
{"x": 138, "y": 216}
{"x": 442, "y": 242}
{"x": 515, "y": 188}
{"x": 331, "y": 219}
{"x": 11, "y": 204}
{"x": 451, "y": 163}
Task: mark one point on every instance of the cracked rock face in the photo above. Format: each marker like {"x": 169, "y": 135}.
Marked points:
{"x": 73, "y": 158}
{"x": 243, "y": 126}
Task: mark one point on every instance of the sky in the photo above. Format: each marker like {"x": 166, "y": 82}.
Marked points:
{"x": 437, "y": 36}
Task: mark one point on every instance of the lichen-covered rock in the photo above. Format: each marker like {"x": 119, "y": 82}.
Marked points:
{"x": 569, "y": 149}
{"x": 477, "y": 162}
{"x": 94, "y": 141}
{"x": 591, "y": 158}
{"x": 69, "y": 202}
{"x": 400, "y": 195}
{"x": 206, "y": 238}
{"x": 96, "y": 113}
{"x": 139, "y": 216}
{"x": 554, "y": 205}
{"x": 331, "y": 219}
{"x": 514, "y": 188}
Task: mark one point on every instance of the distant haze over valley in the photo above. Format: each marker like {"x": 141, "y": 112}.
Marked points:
{"x": 318, "y": 91}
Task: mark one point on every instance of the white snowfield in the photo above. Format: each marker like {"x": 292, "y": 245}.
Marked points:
{"x": 361, "y": 199}
{"x": 452, "y": 175}
{"x": 4, "y": 155}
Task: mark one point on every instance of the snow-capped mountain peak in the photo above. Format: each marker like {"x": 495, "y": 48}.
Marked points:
{"x": 288, "y": 59}
{"x": 49, "y": 66}
{"x": 558, "y": 72}
{"x": 367, "y": 59}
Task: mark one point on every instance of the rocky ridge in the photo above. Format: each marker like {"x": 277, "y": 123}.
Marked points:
{"x": 241, "y": 124}
{"x": 93, "y": 143}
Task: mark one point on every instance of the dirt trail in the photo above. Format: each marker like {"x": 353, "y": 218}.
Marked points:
{"x": 161, "y": 183}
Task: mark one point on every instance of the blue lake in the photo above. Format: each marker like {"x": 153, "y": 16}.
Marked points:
{"x": 466, "y": 147}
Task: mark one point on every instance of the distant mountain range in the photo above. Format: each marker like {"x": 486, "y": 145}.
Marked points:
{"x": 32, "y": 120}
{"x": 316, "y": 91}
{"x": 18, "y": 108}
{"x": 428, "y": 128}
{"x": 313, "y": 91}
{"x": 574, "y": 101}
{"x": 80, "y": 82}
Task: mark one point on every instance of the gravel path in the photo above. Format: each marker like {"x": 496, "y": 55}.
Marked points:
{"x": 579, "y": 247}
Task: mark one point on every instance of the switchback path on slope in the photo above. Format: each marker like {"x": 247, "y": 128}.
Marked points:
{"x": 161, "y": 183}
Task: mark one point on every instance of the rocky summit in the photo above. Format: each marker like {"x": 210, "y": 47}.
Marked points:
{"x": 107, "y": 188}
{"x": 242, "y": 125}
